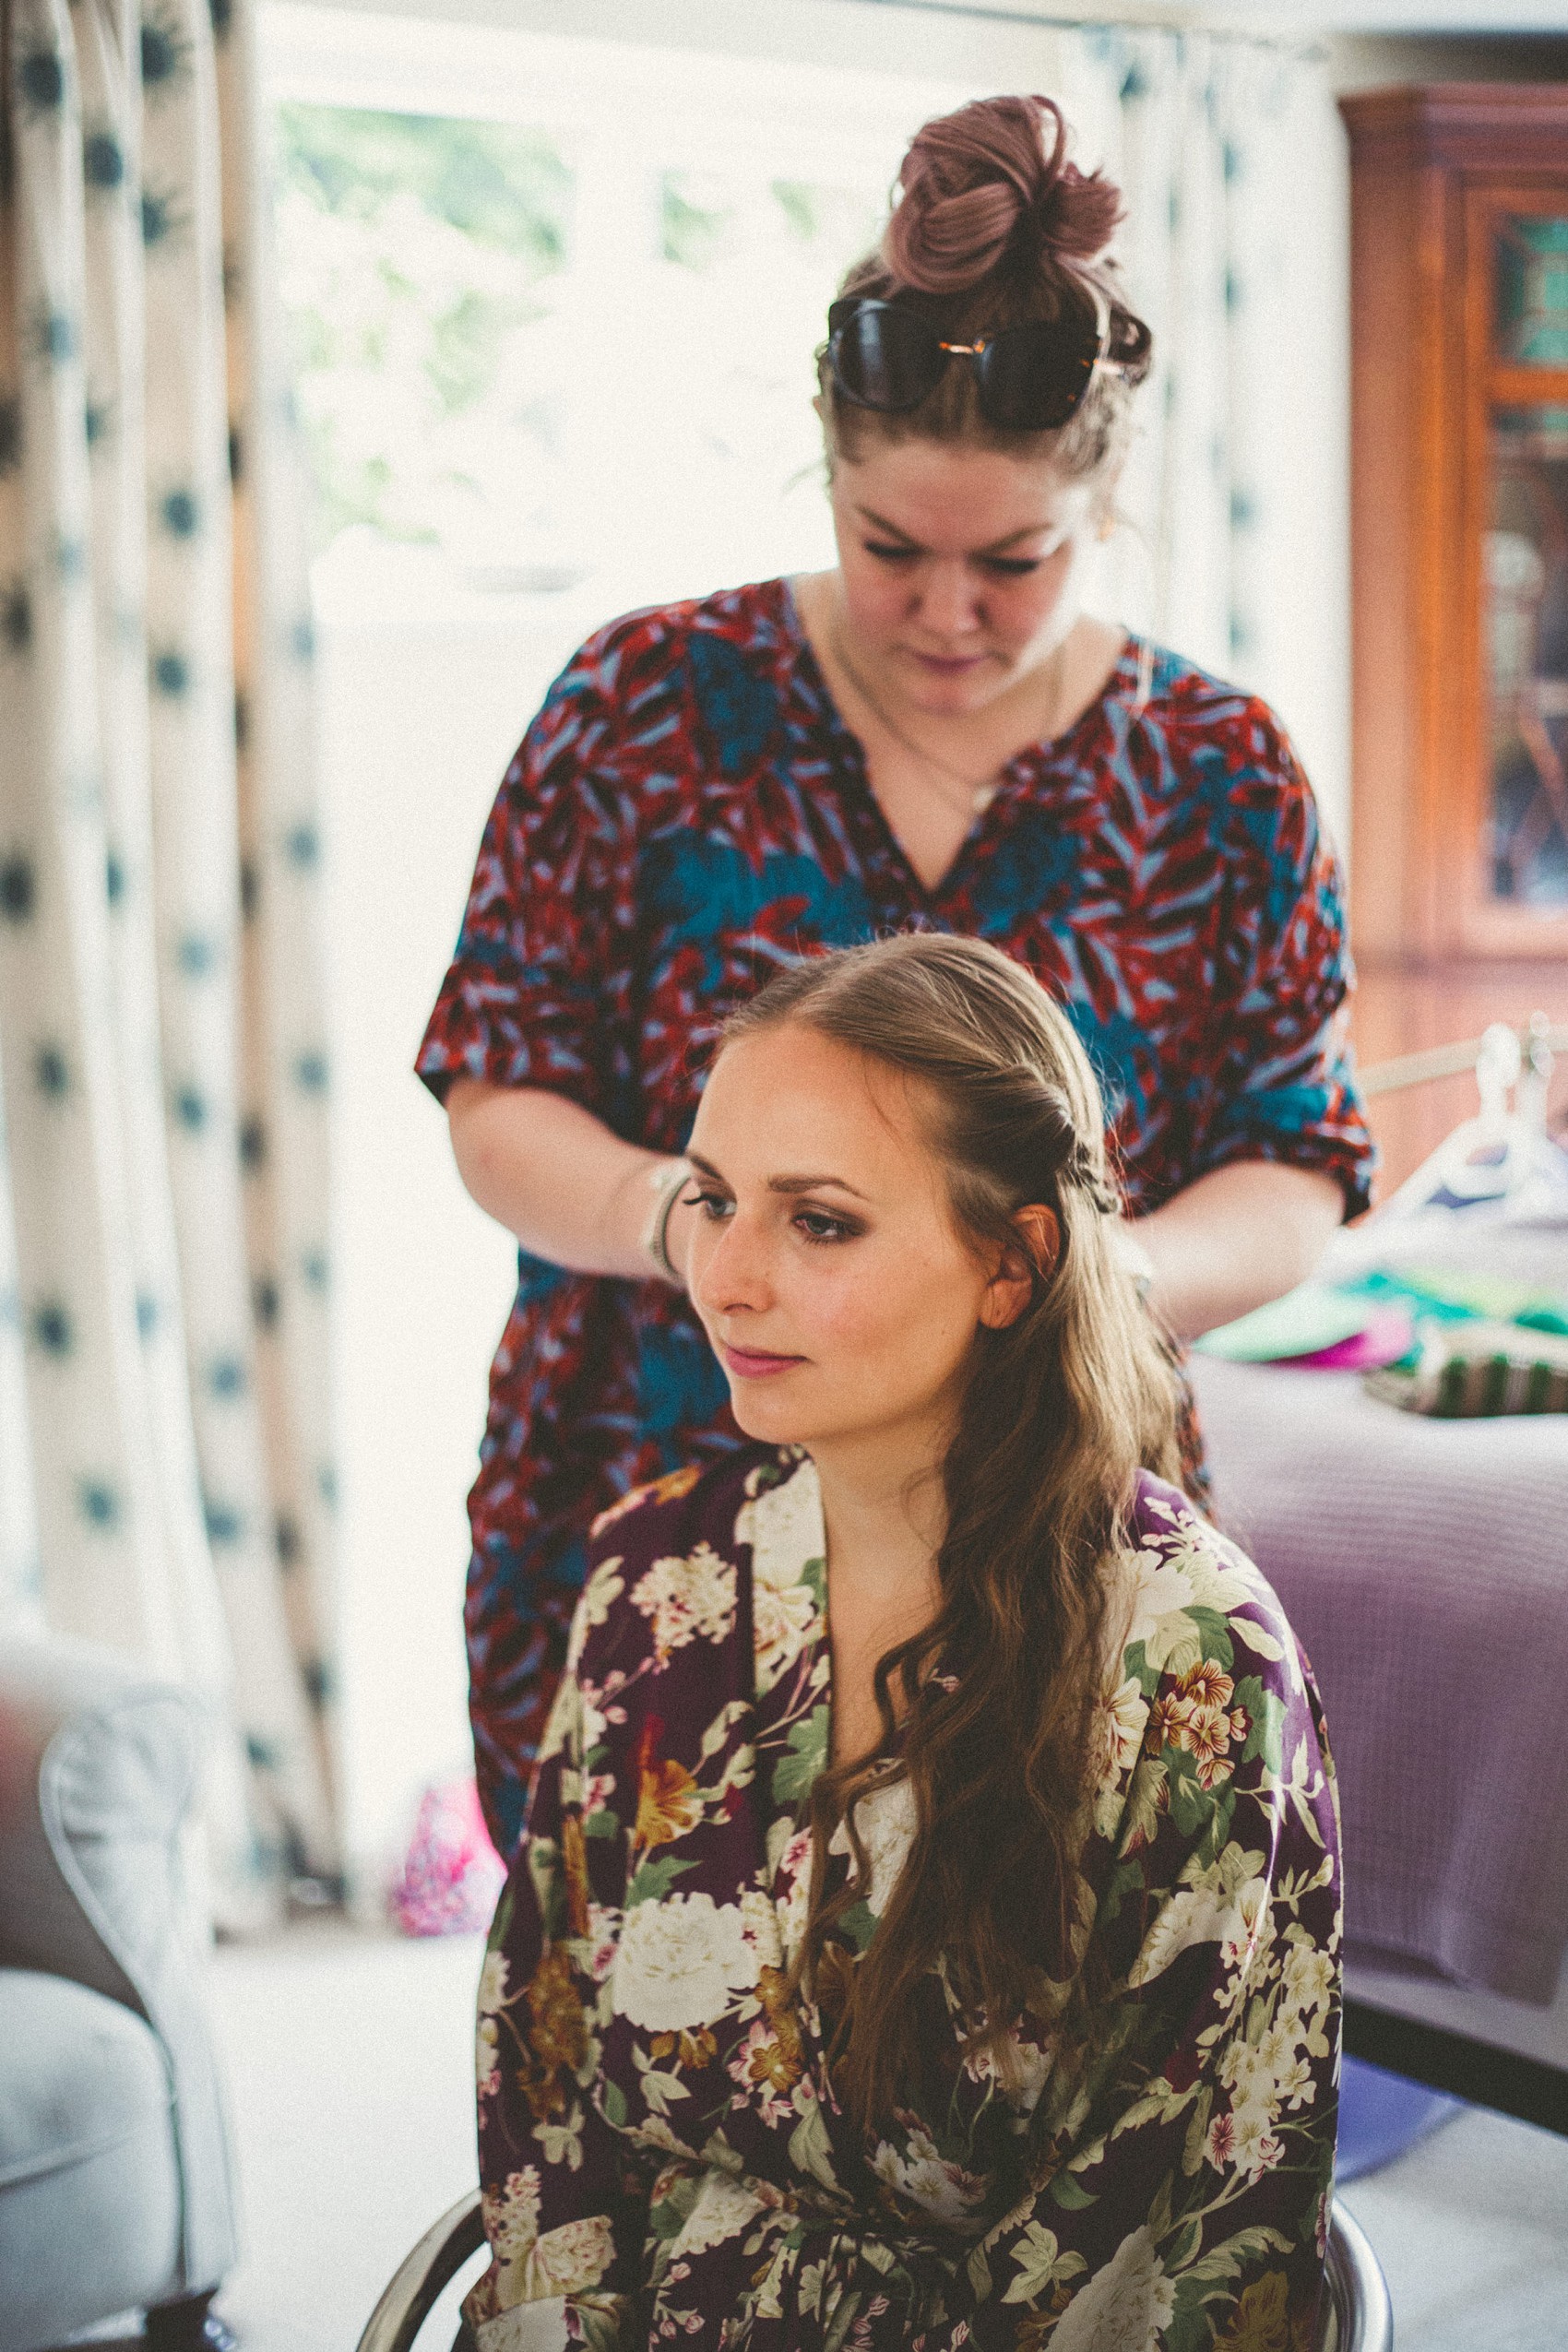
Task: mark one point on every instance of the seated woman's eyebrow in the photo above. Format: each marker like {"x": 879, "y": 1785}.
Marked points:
{"x": 779, "y": 1183}
{"x": 813, "y": 1184}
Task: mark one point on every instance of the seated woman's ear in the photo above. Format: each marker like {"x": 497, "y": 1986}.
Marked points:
{"x": 1031, "y": 1259}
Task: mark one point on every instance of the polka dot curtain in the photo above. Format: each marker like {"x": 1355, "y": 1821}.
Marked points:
{"x": 1230, "y": 158}
{"x": 165, "y": 1463}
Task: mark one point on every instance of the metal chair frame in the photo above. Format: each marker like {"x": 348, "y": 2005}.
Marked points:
{"x": 1358, "y": 2315}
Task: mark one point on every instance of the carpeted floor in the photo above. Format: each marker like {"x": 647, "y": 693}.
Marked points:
{"x": 349, "y": 2063}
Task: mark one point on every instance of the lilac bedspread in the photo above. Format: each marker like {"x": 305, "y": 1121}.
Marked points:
{"x": 1425, "y": 1565}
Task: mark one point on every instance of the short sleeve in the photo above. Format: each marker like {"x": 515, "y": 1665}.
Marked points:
{"x": 1283, "y": 1087}
{"x": 543, "y": 958}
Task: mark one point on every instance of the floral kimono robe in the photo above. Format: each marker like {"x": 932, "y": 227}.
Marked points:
{"x": 662, "y": 2154}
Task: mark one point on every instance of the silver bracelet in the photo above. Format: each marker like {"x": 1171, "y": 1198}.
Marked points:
{"x": 667, "y": 1182}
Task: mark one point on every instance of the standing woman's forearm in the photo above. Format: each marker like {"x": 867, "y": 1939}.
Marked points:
{"x": 555, "y": 1175}
{"x": 1236, "y": 1237}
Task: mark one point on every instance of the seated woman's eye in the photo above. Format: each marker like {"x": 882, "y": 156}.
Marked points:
{"x": 713, "y": 1205}
{"x": 886, "y": 552}
{"x": 815, "y": 1225}
{"x": 1010, "y": 567}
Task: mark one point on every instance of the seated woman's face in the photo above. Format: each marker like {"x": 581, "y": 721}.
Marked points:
{"x": 831, "y": 1280}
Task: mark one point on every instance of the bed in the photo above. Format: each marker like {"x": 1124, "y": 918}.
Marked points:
{"x": 1424, "y": 1564}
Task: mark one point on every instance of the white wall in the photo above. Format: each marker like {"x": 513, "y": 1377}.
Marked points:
{"x": 425, "y": 688}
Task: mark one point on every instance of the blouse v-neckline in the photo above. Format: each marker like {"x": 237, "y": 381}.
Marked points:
{"x": 1028, "y": 765}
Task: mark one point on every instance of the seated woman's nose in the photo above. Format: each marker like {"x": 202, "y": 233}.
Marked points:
{"x": 734, "y": 1273}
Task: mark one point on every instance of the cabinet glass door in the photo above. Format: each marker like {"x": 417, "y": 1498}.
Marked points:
{"x": 1531, "y": 279}
{"x": 1524, "y": 638}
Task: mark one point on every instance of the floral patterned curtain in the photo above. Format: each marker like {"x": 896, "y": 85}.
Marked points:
{"x": 165, "y": 1469}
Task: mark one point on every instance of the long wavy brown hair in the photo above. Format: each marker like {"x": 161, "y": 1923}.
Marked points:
{"x": 1060, "y": 1410}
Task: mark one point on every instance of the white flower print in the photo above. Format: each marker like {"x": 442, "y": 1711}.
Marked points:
{"x": 1192, "y": 1567}
{"x": 1255, "y": 2148}
{"x": 1227, "y": 1905}
{"x": 563, "y": 2142}
{"x": 782, "y": 1617}
{"x": 722, "y": 2210}
{"x": 603, "y": 1939}
{"x": 923, "y": 2179}
{"x": 1119, "y": 1721}
{"x": 1309, "y": 1978}
{"x": 511, "y": 2216}
{"x": 567, "y": 2260}
{"x": 487, "y": 2058}
{"x": 1124, "y": 2306}
{"x": 604, "y": 1586}
{"x": 492, "y": 1984}
{"x": 783, "y": 1526}
{"x": 759, "y": 1925}
{"x": 687, "y": 1599}
{"x": 885, "y": 1818}
{"x": 793, "y": 1882}
{"x": 679, "y": 1962}
{"x": 1023, "y": 2081}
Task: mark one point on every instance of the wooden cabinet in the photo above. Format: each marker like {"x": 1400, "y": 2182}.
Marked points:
{"x": 1460, "y": 538}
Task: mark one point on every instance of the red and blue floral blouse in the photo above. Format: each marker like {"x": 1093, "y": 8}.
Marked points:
{"x": 688, "y": 811}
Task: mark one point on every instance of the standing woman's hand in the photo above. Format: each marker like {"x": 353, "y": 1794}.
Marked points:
{"x": 1233, "y": 1240}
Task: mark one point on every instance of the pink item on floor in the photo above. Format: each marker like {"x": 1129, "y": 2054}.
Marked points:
{"x": 1389, "y": 1335}
{"x": 452, "y": 1877}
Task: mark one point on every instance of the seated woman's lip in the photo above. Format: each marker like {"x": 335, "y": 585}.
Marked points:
{"x": 754, "y": 1363}
{"x": 949, "y": 660}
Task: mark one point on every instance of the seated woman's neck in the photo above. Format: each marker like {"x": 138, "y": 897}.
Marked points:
{"x": 885, "y": 1515}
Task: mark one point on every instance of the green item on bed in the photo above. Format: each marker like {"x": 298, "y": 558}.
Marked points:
{"x": 1440, "y": 1294}
{"x": 1312, "y": 1317}
{"x": 1472, "y": 1370}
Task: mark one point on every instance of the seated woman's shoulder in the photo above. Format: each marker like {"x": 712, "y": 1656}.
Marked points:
{"x": 664, "y": 1560}
{"x": 1196, "y": 1600}
{"x": 693, "y": 1496}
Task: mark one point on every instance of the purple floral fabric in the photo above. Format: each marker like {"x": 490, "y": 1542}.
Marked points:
{"x": 662, "y": 2154}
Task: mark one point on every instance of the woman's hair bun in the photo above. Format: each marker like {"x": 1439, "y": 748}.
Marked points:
{"x": 984, "y": 186}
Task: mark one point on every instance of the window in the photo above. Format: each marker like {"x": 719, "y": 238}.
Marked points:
{"x": 552, "y": 306}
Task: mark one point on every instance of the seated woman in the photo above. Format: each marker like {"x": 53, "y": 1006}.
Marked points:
{"x": 926, "y": 1932}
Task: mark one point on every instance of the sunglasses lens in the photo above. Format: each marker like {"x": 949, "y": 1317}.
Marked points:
{"x": 1034, "y": 377}
{"x": 886, "y": 358}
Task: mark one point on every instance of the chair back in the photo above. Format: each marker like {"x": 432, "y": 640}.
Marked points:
{"x": 1357, "y": 2314}
{"x": 416, "y": 2285}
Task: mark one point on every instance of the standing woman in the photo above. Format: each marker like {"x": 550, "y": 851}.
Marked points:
{"x": 931, "y": 736}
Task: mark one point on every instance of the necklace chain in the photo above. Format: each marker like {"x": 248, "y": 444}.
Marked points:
{"x": 976, "y": 797}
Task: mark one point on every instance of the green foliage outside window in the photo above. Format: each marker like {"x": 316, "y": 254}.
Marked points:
{"x": 415, "y": 252}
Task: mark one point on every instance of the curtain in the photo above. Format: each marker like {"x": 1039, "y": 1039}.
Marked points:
{"x": 1230, "y": 158}
{"x": 164, "y": 1423}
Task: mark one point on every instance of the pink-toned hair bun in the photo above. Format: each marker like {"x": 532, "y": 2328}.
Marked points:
{"x": 980, "y": 186}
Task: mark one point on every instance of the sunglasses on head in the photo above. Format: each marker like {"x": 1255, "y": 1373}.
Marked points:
{"x": 1031, "y": 378}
